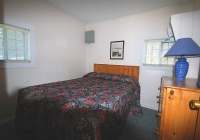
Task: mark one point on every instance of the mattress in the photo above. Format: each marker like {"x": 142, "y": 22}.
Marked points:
{"x": 93, "y": 107}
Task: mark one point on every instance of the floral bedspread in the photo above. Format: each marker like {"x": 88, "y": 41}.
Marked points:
{"x": 93, "y": 107}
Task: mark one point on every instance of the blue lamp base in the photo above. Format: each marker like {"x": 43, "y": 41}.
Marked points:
{"x": 181, "y": 68}
{"x": 198, "y": 83}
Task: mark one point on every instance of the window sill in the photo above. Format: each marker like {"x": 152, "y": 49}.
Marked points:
{"x": 157, "y": 67}
{"x": 17, "y": 63}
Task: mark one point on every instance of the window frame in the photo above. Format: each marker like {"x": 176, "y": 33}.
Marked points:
{"x": 160, "y": 50}
{"x": 14, "y": 40}
{"x": 21, "y": 63}
{"x": 151, "y": 66}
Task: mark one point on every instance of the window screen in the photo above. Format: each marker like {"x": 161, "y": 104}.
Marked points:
{"x": 14, "y": 43}
{"x": 154, "y": 53}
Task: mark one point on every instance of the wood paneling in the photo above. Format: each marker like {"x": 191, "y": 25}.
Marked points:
{"x": 132, "y": 71}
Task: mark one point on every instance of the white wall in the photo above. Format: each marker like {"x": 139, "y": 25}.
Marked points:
{"x": 60, "y": 50}
{"x": 133, "y": 30}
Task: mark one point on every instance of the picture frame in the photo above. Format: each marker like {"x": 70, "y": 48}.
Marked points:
{"x": 117, "y": 49}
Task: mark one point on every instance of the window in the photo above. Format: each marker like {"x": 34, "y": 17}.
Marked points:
{"x": 14, "y": 43}
{"x": 17, "y": 44}
{"x": 155, "y": 50}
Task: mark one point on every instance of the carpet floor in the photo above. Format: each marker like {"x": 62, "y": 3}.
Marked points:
{"x": 140, "y": 128}
{"x": 136, "y": 128}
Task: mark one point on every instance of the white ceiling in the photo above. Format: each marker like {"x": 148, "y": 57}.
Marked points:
{"x": 90, "y": 11}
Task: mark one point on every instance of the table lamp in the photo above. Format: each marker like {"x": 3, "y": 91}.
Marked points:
{"x": 183, "y": 48}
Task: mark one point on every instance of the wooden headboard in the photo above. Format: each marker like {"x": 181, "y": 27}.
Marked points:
{"x": 132, "y": 71}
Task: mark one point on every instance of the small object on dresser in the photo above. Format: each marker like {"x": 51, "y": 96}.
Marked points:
{"x": 198, "y": 83}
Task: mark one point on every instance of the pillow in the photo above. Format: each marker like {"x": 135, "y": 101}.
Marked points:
{"x": 99, "y": 75}
{"x": 92, "y": 74}
{"x": 114, "y": 77}
{"x": 124, "y": 78}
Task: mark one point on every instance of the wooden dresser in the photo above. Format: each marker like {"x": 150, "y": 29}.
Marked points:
{"x": 177, "y": 118}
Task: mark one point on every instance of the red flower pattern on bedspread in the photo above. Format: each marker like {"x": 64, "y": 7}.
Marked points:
{"x": 67, "y": 107}
{"x": 93, "y": 107}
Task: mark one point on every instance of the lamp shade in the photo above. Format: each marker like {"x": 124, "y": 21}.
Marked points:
{"x": 184, "y": 47}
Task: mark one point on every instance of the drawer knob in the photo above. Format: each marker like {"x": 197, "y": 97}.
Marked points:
{"x": 158, "y": 115}
{"x": 171, "y": 92}
{"x": 157, "y": 131}
{"x": 160, "y": 88}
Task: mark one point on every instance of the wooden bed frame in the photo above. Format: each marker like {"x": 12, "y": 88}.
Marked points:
{"x": 132, "y": 71}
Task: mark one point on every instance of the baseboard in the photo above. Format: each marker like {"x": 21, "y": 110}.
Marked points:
{"x": 7, "y": 121}
{"x": 150, "y": 107}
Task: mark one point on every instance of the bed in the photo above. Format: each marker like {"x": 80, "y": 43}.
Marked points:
{"x": 93, "y": 107}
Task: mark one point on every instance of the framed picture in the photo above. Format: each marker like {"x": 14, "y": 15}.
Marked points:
{"x": 117, "y": 50}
